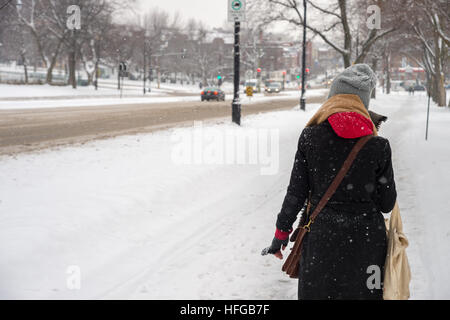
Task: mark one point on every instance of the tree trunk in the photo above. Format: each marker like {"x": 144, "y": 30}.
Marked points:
{"x": 39, "y": 46}
{"x": 347, "y": 60}
{"x": 388, "y": 73}
{"x": 25, "y": 67}
{"x": 374, "y": 68}
{"x": 441, "y": 95}
{"x": 97, "y": 71}
{"x": 72, "y": 69}
{"x": 204, "y": 79}
{"x": 25, "y": 70}
{"x": 439, "y": 89}
{"x": 49, "y": 77}
{"x": 347, "y": 33}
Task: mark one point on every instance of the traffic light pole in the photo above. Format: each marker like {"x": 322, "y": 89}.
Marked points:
{"x": 236, "y": 106}
{"x": 302, "y": 99}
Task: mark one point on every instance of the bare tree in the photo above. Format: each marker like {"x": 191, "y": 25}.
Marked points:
{"x": 333, "y": 24}
{"x": 32, "y": 16}
{"x": 95, "y": 18}
{"x": 156, "y": 26}
{"x": 432, "y": 28}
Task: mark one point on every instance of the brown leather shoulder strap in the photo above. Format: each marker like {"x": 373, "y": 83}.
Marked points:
{"x": 340, "y": 176}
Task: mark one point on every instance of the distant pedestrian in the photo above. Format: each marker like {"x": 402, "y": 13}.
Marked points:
{"x": 348, "y": 238}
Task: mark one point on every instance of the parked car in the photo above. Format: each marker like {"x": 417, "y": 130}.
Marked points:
{"x": 273, "y": 87}
{"x": 418, "y": 87}
{"x": 213, "y": 93}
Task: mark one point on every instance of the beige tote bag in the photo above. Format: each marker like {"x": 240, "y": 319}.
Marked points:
{"x": 397, "y": 273}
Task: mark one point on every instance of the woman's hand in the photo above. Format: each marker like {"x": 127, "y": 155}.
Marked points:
{"x": 276, "y": 247}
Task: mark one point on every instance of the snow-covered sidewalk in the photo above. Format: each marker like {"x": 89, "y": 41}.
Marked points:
{"x": 136, "y": 224}
{"x": 422, "y": 174}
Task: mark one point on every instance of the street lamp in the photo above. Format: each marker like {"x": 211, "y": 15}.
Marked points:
{"x": 302, "y": 99}
{"x": 236, "y": 105}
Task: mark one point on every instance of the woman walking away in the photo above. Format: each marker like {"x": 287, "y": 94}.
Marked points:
{"x": 344, "y": 252}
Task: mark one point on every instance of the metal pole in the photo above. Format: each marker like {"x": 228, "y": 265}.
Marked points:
{"x": 121, "y": 87}
{"x": 118, "y": 76}
{"x": 302, "y": 99}
{"x": 145, "y": 61}
{"x": 236, "y": 106}
{"x": 428, "y": 117}
{"x": 97, "y": 65}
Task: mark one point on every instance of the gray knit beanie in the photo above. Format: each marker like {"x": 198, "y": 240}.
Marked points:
{"x": 358, "y": 79}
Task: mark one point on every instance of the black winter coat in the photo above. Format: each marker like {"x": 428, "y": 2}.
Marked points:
{"x": 349, "y": 234}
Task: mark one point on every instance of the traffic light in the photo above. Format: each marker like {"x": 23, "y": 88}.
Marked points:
{"x": 258, "y": 70}
{"x": 219, "y": 80}
{"x": 307, "y": 70}
{"x": 298, "y": 77}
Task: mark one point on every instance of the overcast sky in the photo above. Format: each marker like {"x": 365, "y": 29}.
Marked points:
{"x": 212, "y": 12}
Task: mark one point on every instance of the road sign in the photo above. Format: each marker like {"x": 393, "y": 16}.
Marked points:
{"x": 236, "y": 10}
{"x": 249, "y": 91}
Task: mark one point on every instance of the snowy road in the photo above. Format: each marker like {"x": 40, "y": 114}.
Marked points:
{"x": 139, "y": 226}
{"x": 35, "y": 129}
